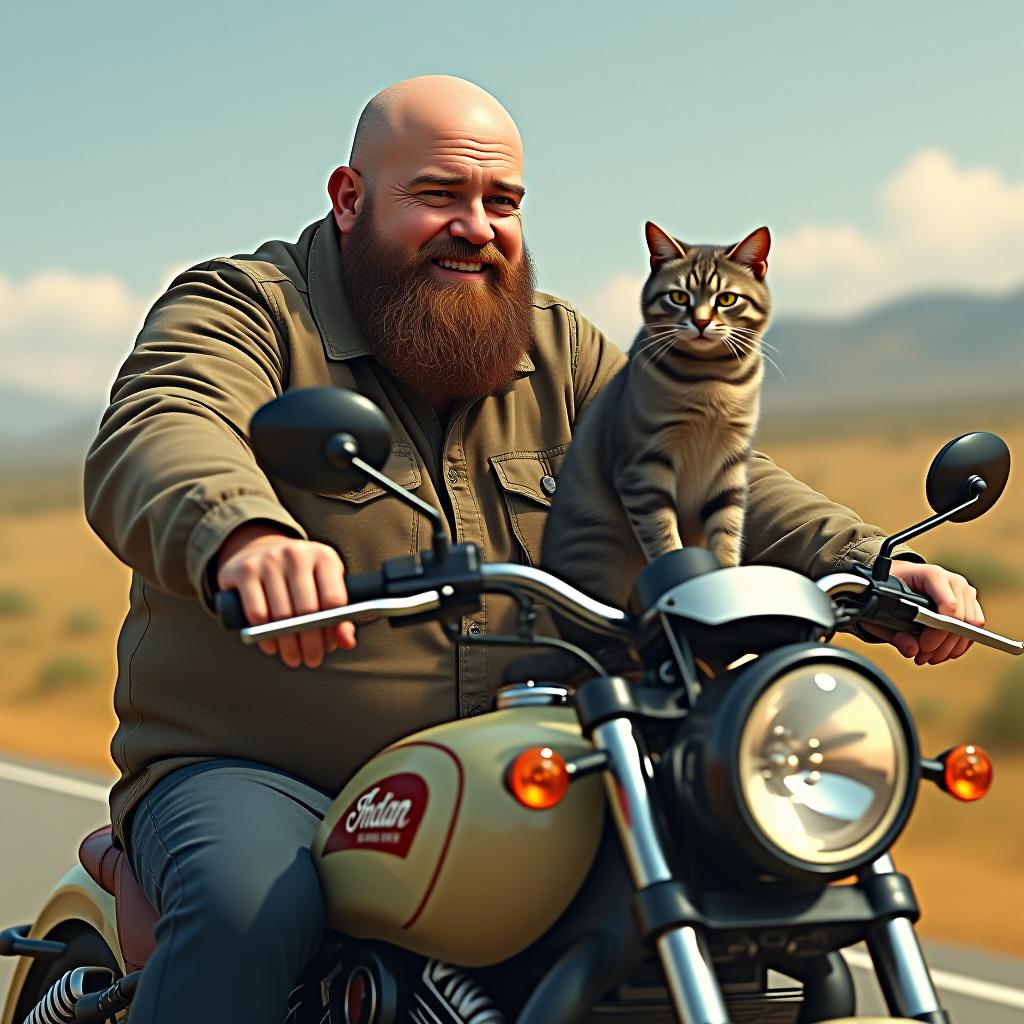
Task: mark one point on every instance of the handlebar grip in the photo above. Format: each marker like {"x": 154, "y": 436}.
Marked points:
{"x": 228, "y": 606}
{"x": 913, "y": 595}
{"x": 364, "y": 586}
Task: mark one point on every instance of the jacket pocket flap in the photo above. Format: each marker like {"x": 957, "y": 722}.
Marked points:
{"x": 402, "y": 466}
{"x": 531, "y": 474}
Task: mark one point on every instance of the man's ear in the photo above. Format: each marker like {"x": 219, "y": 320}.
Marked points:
{"x": 346, "y": 190}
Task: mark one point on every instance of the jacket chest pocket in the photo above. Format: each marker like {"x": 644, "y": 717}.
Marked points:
{"x": 528, "y": 481}
{"x": 373, "y": 525}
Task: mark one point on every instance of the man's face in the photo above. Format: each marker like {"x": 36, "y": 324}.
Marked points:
{"x": 436, "y": 271}
{"x": 468, "y": 186}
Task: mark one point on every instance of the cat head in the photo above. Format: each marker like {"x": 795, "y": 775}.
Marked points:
{"x": 713, "y": 298}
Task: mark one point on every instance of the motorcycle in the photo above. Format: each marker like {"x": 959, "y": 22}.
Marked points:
{"x": 648, "y": 826}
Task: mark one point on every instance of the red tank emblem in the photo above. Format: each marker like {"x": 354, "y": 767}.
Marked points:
{"x": 384, "y": 817}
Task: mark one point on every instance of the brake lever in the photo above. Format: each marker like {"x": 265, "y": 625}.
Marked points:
{"x": 892, "y": 604}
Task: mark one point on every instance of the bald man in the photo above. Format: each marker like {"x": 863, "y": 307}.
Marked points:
{"x": 416, "y": 290}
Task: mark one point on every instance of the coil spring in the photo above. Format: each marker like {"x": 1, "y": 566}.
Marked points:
{"x": 58, "y": 1005}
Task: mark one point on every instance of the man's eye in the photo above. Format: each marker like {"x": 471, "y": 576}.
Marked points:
{"x": 679, "y": 298}
{"x": 504, "y": 201}
{"x": 727, "y": 299}
{"x": 439, "y": 192}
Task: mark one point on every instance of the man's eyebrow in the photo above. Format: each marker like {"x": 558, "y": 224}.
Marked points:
{"x": 458, "y": 179}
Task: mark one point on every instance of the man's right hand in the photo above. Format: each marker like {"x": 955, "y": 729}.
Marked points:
{"x": 278, "y": 576}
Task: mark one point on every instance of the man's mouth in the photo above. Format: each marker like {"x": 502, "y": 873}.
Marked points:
{"x": 460, "y": 266}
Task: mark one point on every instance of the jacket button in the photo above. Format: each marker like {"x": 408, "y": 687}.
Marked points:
{"x": 549, "y": 484}
{"x": 473, "y": 629}
{"x": 453, "y": 476}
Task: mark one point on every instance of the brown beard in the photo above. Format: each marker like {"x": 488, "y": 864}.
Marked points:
{"x": 443, "y": 340}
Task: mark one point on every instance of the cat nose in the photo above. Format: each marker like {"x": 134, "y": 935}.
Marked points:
{"x": 700, "y": 323}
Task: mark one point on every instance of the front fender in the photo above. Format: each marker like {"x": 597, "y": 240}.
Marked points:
{"x": 76, "y": 897}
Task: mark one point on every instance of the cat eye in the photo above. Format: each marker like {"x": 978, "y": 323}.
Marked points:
{"x": 727, "y": 299}
{"x": 679, "y": 298}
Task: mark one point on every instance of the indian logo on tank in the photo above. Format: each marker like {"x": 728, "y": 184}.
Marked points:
{"x": 384, "y": 817}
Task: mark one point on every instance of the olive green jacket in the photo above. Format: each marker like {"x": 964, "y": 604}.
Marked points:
{"x": 171, "y": 474}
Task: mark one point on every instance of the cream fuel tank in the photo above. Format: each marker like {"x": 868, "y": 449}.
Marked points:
{"x": 425, "y": 847}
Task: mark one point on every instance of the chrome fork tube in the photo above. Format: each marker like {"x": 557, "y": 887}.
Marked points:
{"x": 900, "y": 964}
{"x": 691, "y": 979}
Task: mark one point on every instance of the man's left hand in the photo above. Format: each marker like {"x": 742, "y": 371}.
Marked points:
{"x": 953, "y": 596}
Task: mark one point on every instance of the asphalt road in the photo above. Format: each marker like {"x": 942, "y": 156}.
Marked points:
{"x": 46, "y": 814}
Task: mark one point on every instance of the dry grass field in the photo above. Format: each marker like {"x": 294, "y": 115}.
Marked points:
{"x": 62, "y": 597}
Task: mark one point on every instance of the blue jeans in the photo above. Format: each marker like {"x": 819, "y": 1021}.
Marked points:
{"x": 221, "y": 849}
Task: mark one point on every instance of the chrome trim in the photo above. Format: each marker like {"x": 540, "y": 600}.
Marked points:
{"x": 521, "y": 695}
{"x": 926, "y": 617}
{"x": 842, "y": 583}
{"x": 626, "y": 783}
{"x": 603, "y": 618}
{"x": 746, "y": 592}
{"x": 694, "y": 987}
{"x": 386, "y": 608}
{"x": 692, "y": 981}
{"x": 898, "y": 960}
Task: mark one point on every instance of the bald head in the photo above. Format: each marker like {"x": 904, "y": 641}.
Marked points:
{"x": 413, "y": 113}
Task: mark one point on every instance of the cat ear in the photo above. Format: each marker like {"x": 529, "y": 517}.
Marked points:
{"x": 752, "y": 252}
{"x": 662, "y": 246}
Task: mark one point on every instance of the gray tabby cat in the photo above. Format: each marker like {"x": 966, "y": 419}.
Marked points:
{"x": 660, "y": 460}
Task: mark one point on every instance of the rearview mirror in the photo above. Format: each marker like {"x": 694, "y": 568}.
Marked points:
{"x": 308, "y": 438}
{"x": 959, "y": 470}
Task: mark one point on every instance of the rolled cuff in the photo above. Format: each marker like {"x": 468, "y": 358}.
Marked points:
{"x": 865, "y": 551}
{"x": 213, "y": 529}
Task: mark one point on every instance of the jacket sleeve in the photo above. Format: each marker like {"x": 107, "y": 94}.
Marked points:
{"x": 790, "y": 525}
{"x": 597, "y": 361}
{"x": 171, "y": 473}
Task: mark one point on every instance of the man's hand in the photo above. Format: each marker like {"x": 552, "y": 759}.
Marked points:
{"x": 278, "y": 576}
{"x": 952, "y": 595}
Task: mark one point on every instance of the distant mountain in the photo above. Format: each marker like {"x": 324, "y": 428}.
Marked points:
{"x": 39, "y": 430}
{"x": 947, "y": 348}
{"x": 924, "y": 351}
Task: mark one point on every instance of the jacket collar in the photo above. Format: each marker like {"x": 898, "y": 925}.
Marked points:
{"x": 342, "y": 339}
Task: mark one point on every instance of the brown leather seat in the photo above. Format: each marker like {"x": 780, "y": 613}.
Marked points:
{"x": 136, "y": 918}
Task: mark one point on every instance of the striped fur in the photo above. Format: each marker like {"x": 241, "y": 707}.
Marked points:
{"x": 660, "y": 459}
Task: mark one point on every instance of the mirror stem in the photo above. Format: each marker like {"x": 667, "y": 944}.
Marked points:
{"x": 883, "y": 563}
{"x": 439, "y": 538}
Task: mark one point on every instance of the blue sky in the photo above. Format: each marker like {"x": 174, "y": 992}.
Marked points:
{"x": 141, "y": 137}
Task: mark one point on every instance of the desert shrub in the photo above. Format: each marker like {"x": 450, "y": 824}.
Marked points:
{"x": 14, "y": 603}
{"x": 81, "y": 621}
{"x": 63, "y": 673}
{"x": 1001, "y": 724}
{"x": 983, "y": 571}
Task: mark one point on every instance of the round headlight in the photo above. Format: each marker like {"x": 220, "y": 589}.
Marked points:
{"x": 811, "y": 762}
{"x": 823, "y": 764}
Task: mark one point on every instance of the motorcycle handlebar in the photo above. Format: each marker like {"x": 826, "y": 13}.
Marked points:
{"x": 366, "y": 590}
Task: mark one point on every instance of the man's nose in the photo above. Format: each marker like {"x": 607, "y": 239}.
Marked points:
{"x": 472, "y": 225}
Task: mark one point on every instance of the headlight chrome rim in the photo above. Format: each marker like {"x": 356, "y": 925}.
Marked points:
{"x": 724, "y": 776}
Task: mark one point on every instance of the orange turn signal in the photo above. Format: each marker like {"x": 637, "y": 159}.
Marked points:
{"x": 968, "y": 772}
{"x": 538, "y": 778}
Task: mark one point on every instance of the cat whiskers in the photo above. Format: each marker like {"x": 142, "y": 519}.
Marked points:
{"x": 744, "y": 339}
{"x": 661, "y": 339}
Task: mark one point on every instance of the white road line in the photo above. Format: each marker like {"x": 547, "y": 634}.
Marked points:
{"x": 51, "y": 780}
{"x": 989, "y": 991}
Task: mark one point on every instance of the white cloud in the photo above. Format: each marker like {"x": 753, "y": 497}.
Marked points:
{"x": 66, "y": 332}
{"x": 941, "y": 226}
{"x": 615, "y": 307}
